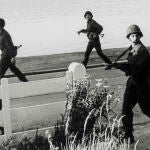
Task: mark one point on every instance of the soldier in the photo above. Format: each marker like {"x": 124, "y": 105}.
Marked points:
{"x": 137, "y": 87}
{"x": 93, "y": 31}
{"x": 9, "y": 52}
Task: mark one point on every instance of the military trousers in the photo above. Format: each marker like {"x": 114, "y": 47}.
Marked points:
{"x": 6, "y": 63}
{"x": 136, "y": 92}
{"x": 97, "y": 45}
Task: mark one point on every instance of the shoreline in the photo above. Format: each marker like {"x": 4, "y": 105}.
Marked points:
{"x": 55, "y": 61}
{"x": 105, "y": 50}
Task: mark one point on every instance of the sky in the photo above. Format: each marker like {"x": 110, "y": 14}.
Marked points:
{"x": 46, "y": 27}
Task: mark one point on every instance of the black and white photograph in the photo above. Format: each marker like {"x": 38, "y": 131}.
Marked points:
{"x": 74, "y": 75}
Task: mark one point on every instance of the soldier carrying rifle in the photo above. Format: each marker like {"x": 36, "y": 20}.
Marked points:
{"x": 9, "y": 52}
{"x": 138, "y": 86}
{"x": 93, "y": 31}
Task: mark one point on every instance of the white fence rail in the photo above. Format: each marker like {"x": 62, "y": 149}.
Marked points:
{"x": 39, "y": 87}
{"x": 31, "y": 114}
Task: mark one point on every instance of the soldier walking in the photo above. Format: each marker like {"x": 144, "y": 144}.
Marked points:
{"x": 138, "y": 85}
{"x": 93, "y": 31}
{"x": 9, "y": 52}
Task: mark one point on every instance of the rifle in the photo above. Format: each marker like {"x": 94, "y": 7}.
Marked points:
{"x": 101, "y": 35}
{"x": 13, "y": 60}
{"x": 118, "y": 58}
{"x": 19, "y": 46}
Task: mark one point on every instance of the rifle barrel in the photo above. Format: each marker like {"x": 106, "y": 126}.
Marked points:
{"x": 19, "y": 46}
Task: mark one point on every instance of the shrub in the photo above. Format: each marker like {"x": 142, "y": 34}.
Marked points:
{"x": 85, "y": 105}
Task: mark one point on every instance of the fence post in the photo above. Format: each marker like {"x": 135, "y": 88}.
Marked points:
{"x": 6, "y": 108}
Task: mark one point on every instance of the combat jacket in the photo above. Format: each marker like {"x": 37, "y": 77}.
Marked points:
{"x": 92, "y": 27}
{"x": 6, "y": 44}
{"x": 138, "y": 62}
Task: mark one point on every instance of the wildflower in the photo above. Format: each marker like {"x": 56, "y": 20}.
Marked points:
{"x": 49, "y": 136}
{"x": 99, "y": 84}
{"x": 99, "y": 80}
{"x": 69, "y": 106}
{"x": 109, "y": 97}
{"x": 47, "y": 132}
{"x": 117, "y": 99}
{"x": 92, "y": 92}
{"x": 106, "y": 86}
{"x": 25, "y": 135}
{"x": 119, "y": 86}
{"x": 105, "y": 80}
{"x": 87, "y": 76}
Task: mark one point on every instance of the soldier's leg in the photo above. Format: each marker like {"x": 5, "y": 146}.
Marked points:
{"x": 97, "y": 46}
{"x": 4, "y": 65}
{"x": 18, "y": 73}
{"x": 87, "y": 53}
{"x": 130, "y": 100}
{"x": 144, "y": 98}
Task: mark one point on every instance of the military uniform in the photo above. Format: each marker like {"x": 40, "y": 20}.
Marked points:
{"x": 93, "y": 30}
{"x": 137, "y": 87}
{"x": 9, "y": 51}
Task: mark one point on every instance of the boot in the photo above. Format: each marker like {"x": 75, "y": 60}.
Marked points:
{"x": 128, "y": 138}
{"x": 108, "y": 67}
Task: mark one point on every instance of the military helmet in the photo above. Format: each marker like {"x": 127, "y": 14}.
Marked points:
{"x": 88, "y": 12}
{"x": 2, "y": 22}
{"x": 134, "y": 29}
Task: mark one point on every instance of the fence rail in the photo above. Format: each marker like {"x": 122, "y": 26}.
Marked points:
{"x": 29, "y": 115}
{"x": 45, "y": 112}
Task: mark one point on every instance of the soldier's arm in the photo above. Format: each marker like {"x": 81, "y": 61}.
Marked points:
{"x": 143, "y": 56}
{"x": 98, "y": 28}
{"x": 8, "y": 41}
{"x": 83, "y": 31}
{"x": 142, "y": 63}
{"x": 123, "y": 67}
{"x": 10, "y": 46}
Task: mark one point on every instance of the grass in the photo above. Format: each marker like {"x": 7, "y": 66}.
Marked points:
{"x": 91, "y": 122}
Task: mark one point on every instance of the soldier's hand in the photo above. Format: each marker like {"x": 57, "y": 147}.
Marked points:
{"x": 13, "y": 60}
{"x": 116, "y": 65}
{"x": 102, "y": 35}
{"x": 108, "y": 67}
{"x": 79, "y": 32}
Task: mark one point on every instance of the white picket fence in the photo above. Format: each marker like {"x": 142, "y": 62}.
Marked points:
{"x": 20, "y": 90}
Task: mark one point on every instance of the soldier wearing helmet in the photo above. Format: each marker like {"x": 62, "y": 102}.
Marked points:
{"x": 9, "y": 52}
{"x": 93, "y": 31}
{"x": 134, "y": 29}
{"x": 88, "y": 13}
{"x": 137, "y": 88}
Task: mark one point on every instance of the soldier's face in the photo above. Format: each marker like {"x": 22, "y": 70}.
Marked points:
{"x": 88, "y": 17}
{"x": 134, "y": 37}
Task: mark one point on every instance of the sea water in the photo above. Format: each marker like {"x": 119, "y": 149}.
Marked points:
{"x": 46, "y": 27}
